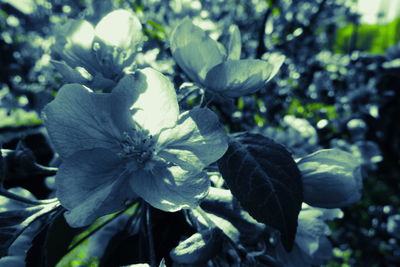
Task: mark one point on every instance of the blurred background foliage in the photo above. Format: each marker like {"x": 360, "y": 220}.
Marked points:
{"x": 339, "y": 87}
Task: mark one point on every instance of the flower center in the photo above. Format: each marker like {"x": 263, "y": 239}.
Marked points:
{"x": 137, "y": 145}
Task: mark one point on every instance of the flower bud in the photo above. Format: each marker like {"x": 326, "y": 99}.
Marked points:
{"x": 18, "y": 163}
{"x": 331, "y": 178}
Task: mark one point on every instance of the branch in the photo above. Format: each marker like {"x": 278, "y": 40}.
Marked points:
{"x": 16, "y": 197}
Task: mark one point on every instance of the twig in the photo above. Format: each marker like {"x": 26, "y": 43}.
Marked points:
{"x": 18, "y": 198}
{"x": 150, "y": 237}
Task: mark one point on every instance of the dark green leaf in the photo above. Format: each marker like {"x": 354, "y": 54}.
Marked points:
{"x": 13, "y": 223}
{"x": 265, "y": 179}
{"x": 11, "y": 226}
{"x": 14, "y": 217}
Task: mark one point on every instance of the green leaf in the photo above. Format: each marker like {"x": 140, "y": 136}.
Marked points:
{"x": 155, "y": 30}
{"x": 79, "y": 257}
{"x": 265, "y": 179}
{"x": 18, "y": 117}
{"x": 14, "y": 222}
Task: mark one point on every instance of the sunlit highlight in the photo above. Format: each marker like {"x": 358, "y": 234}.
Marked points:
{"x": 117, "y": 27}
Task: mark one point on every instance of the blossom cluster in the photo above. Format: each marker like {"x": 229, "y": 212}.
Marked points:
{"x": 122, "y": 136}
{"x": 129, "y": 143}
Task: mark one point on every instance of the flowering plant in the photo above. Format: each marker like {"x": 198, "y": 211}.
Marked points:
{"x": 129, "y": 150}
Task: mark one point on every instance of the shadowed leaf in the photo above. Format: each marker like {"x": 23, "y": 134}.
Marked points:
{"x": 264, "y": 178}
{"x": 14, "y": 222}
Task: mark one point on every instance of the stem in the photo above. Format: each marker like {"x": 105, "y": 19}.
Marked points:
{"x": 202, "y": 98}
{"x": 18, "y": 198}
{"x": 150, "y": 237}
{"x": 210, "y": 99}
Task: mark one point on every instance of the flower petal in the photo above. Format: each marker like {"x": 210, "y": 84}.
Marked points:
{"x": 74, "y": 43}
{"x": 91, "y": 184}
{"x": 69, "y": 74}
{"x": 120, "y": 28}
{"x": 79, "y": 119}
{"x": 310, "y": 230}
{"x": 194, "y": 51}
{"x": 236, "y": 78}
{"x": 80, "y": 33}
{"x": 331, "y": 178}
{"x": 311, "y": 247}
{"x": 153, "y": 100}
{"x": 198, "y": 140}
{"x": 170, "y": 189}
{"x": 75, "y": 32}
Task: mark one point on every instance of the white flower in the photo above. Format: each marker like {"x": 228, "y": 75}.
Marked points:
{"x": 207, "y": 63}
{"x": 98, "y": 56}
{"x": 128, "y": 143}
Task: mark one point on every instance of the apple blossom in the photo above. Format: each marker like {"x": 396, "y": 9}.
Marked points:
{"x": 207, "y": 63}
{"x": 97, "y": 56}
{"x": 128, "y": 143}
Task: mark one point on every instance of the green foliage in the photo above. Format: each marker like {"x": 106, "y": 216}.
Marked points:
{"x": 79, "y": 256}
{"x": 18, "y": 117}
{"x": 260, "y": 120}
{"x": 155, "y": 30}
{"x": 373, "y": 39}
{"x": 315, "y": 111}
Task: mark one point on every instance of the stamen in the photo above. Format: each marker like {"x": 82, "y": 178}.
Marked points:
{"x": 137, "y": 145}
